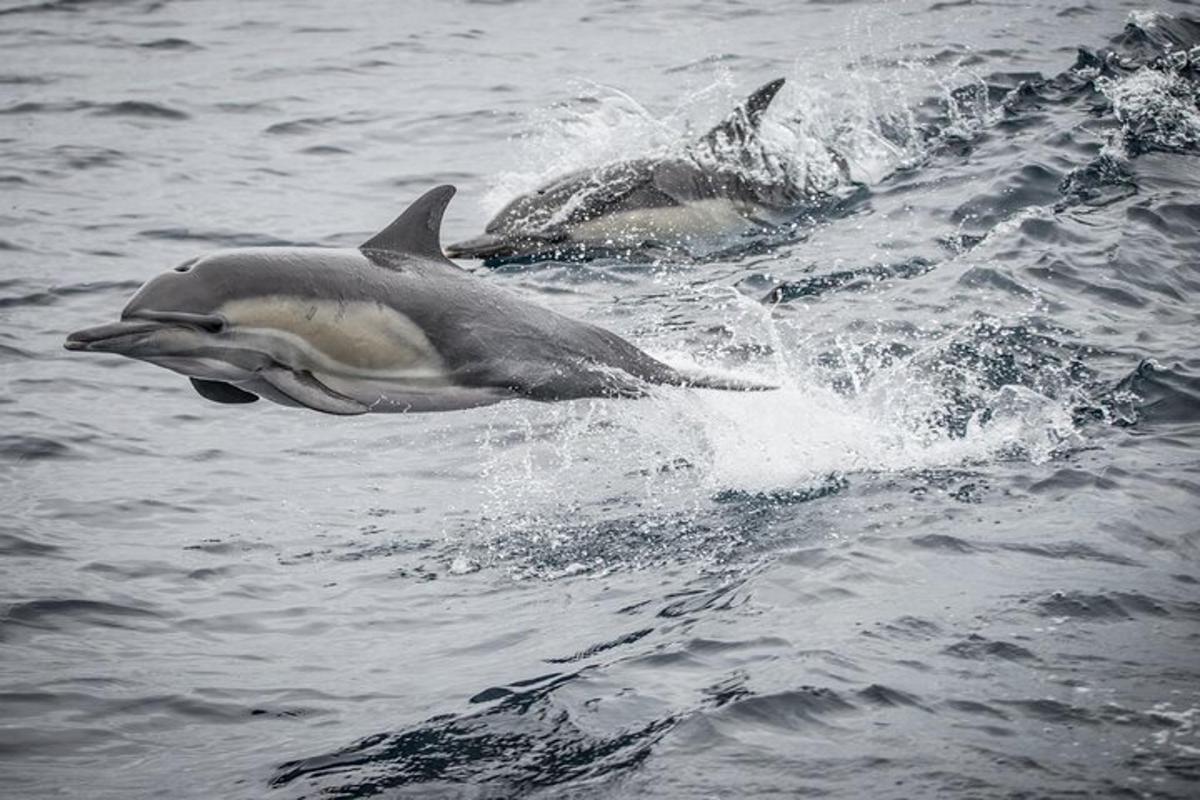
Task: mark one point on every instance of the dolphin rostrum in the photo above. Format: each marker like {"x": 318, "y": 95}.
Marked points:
{"x": 722, "y": 186}
{"x": 391, "y": 326}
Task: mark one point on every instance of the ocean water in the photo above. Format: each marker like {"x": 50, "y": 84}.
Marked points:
{"x": 955, "y": 555}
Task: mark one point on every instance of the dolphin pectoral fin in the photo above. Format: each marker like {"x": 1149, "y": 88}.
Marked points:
{"x": 417, "y": 231}
{"x": 305, "y": 390}
{"x": 221, "y": 392}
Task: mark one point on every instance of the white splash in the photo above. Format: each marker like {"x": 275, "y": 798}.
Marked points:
{"x": 1156, "y": 108}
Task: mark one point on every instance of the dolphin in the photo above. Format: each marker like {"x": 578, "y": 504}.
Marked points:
{"x": 392, "y": 326}
{"x": 722, "y": 186}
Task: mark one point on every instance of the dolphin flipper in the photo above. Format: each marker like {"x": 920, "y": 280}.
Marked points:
{"x": 220, "y": 392}
{"x": 305, "y": 390}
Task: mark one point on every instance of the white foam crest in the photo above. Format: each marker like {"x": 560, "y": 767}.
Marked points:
{"x": 1145, "y": 18}
{"x": 1155, "y": 107}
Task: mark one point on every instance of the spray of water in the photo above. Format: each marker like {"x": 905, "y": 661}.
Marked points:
{"x": 596, "y": 485}
{"x": 821, "y": 137}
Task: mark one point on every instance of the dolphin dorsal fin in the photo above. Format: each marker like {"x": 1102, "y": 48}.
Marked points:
{"x": 416, "y": 231}
{"x": 745, "y": 118}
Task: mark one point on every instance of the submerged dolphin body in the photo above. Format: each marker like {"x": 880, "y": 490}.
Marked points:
{"x": 392, "y": 326}
{"x": 718, "y": 188}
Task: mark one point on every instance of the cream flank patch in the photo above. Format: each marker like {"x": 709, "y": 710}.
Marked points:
{"x": 701, "y": 219}
{"x": 359, "y": 338}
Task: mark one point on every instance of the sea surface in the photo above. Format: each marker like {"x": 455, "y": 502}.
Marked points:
{"x": 956, "y": 555}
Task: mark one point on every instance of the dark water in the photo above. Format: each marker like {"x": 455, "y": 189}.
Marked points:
{"x": 955, "y": 556}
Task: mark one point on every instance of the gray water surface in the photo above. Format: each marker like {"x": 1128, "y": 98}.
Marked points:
{"x": 955, "y": 556}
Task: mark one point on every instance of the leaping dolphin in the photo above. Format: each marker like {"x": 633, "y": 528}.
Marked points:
{"x": 722, "y": 186}
{"x": 392, "y": 326}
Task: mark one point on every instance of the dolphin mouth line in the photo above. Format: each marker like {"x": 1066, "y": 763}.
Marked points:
{"x": 484, "y": 246}
{"x": 108, "y": 338}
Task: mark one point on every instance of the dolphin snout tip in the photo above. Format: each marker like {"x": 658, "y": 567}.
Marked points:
{"x": 478, "y": 247}
{"x": 457, "y": 250}
{"x": 76, "y": 340}
{"x": 110, "y": 337}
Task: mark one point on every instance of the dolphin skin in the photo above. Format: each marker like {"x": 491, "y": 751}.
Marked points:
{"x": 718, "y": 188}
{"x": 392, "y": 326}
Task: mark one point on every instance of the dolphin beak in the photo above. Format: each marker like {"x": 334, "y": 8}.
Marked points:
{"x": 110, "y": 338}
{"x": 483, "y": 246}
{"x": 495, "y": 250}
{"x": 118, "y": 337}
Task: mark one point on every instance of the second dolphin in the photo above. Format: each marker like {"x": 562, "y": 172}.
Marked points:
{"x": 697, "y": 201}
